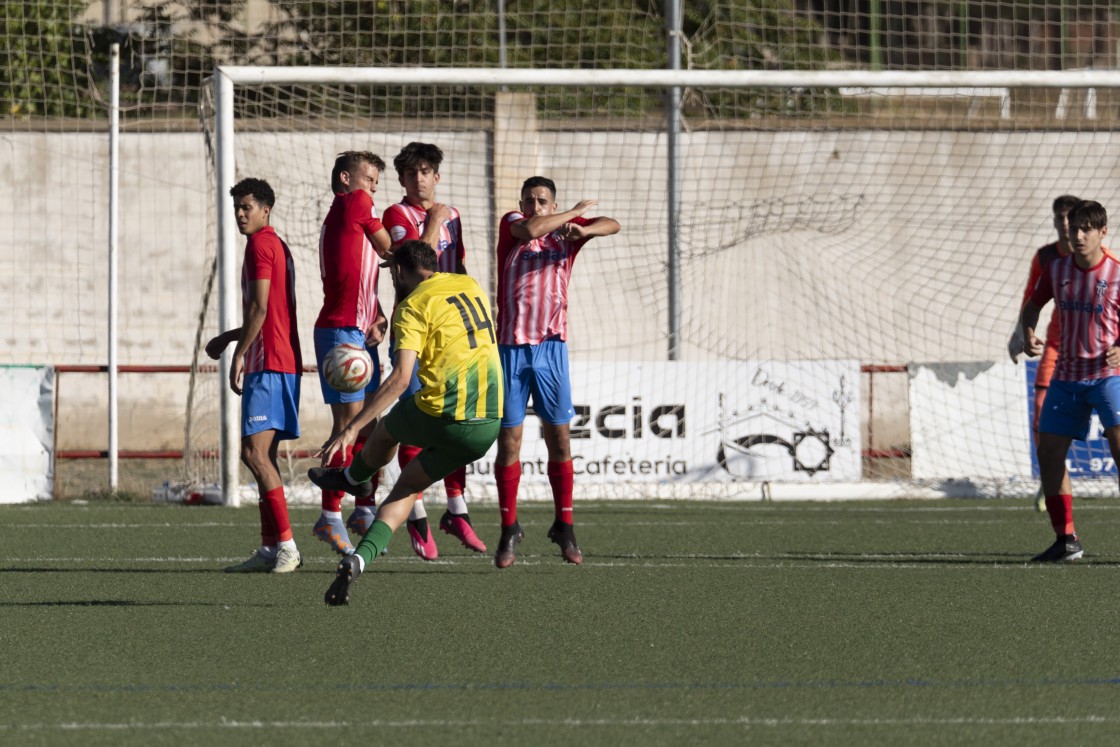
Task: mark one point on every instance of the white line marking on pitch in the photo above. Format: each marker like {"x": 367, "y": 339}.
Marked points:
{"x": 743, "y": 721}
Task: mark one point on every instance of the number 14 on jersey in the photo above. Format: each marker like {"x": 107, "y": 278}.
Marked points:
{"x": 475, "y": 316}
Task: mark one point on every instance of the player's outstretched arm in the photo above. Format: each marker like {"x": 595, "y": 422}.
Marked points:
{"x": 601, "y": 226}
{"x": 542, "y": 225}
{"x": 404, "y": 361}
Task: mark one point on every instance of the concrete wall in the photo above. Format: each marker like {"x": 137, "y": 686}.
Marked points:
{"x": 886, "y": 247}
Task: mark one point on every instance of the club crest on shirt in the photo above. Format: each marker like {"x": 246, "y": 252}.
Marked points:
{"x": 1102, "y": 287}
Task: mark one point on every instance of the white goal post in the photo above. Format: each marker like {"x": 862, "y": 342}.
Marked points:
{"x": 227, "y": 79}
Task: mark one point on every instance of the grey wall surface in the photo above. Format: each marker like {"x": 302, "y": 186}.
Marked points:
{"x": 886, "y": 247}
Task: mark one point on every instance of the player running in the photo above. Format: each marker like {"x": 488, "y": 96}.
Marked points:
{"x": 536, "y": 249}
{"x": 1039, "y": 262}
{"x": 419, "y": 217}
{"x": 350, "y": 243}
{"x": 442, "y": 323}
{"x": 265, "y": 370}
{"x": 1085, "y": 286}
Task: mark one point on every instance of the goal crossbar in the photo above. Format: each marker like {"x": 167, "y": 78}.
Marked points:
{"x": 262, "y": 75}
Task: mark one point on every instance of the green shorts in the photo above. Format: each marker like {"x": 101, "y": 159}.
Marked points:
{"x": 447, "y": 444}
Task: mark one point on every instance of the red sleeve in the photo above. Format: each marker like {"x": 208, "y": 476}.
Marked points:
{"x": 1043, "y": 291}
{"x": 579, "y": 220}
{"x": 400, "y": 225}
{"x": 360, "y": 210}
{"x": 506, "y": 239}
{"x": 1032, "y": 278}
{"x": 258, "y": 258}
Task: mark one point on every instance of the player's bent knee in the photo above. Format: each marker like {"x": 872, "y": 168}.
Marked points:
{"x": 509, "y": 442}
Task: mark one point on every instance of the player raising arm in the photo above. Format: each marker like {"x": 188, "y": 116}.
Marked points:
{"x": 420, "y": 217}
{"x": 536, "y": 249}
{"x": 1039, "y": 262}
{"x": 1085, "y": 286}
{"x": 444, "y": 324}
{"x": 351, "y": 243}
{"x": 265, "y": 370}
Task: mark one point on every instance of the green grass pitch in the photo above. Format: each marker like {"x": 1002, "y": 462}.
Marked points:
{"x": 701, "y": 623}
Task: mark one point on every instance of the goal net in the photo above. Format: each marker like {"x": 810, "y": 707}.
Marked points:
{"x": 820, "y": 222}
{"x": 827, "y": 316}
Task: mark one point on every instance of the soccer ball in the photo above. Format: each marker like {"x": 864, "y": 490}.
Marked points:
{"x": 348, "y": 367}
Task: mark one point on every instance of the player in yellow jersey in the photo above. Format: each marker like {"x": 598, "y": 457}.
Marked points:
{"x": 444, "y": 323}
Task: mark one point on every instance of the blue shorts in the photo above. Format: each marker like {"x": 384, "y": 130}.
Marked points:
{"x": 540, "y": 370}
{"x": 1069, "y": 406}
{"x": 325, "y": 340}
{"x": 270, "y": 401}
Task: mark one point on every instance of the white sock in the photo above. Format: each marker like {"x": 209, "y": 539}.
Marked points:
{"x": 332, "y": 515}
{"x": 418, "y": 511}
{"x": 361, "y": 562}
{"x": 288, "y": 544}
{"x": 267, "y": 551}
{"x": 349, "y": 479}
{"x": 456, "y": 504}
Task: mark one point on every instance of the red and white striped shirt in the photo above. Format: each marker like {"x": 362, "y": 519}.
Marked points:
{"x": 406, "y": 222}
{"x": 533, "y": 279}
{"x": 276, "y": 347}
{"x": 348, "y": 262}
{"x": 1088, "y": 302}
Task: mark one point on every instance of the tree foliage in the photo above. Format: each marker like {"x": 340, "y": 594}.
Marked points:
{"x": 42, "y": 70}
{"x": 581, "y": 34}
{"x": 54, "y": 65}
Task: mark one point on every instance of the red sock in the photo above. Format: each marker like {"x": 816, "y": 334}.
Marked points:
{"x": 268, "y": 526}
{"x": 406, "y": 454}
{"x": 561, "y": 476}
{"x": 456, "y": 482}
{"x": 1060, "y": 508}
{"x": 278, "y": 507}
{"x": 508, "y": 478}
{"x": 332, "y": 499}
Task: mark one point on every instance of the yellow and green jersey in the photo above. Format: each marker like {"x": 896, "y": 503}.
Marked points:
{"x": 446, "y": 320}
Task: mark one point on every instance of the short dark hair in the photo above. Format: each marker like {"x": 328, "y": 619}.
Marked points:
{"x": 539, "y": 181}
{"x": 348, "y": 160}
{"x": 1087, "y": 214}
{"x": 258, "y": 189}
{"x": 414, "y": 153}
{"x": 1064, "y": 204}
{"x": 415, "y": 255}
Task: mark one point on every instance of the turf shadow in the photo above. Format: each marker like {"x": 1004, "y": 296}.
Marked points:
{"x": 124, "y": 603}
{"x": 86, "y": 569}
{"x": 916, "y": 558}
{"x": 893, "y": 558}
